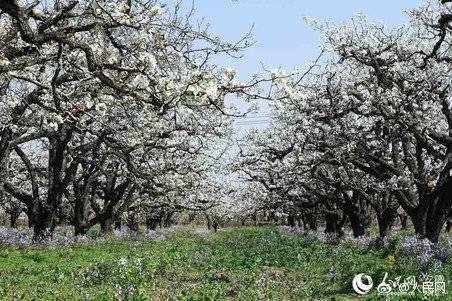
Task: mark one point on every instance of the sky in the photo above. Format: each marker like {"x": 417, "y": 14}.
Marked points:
{"x": 282, "y": 39}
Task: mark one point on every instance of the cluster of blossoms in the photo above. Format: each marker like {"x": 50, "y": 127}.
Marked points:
{"x": 12, "y": 236}
{"x": 62, "y": 236}
{"x": 364, "y": 240}
{"x": 426, "y": 252}
{"x": 65, "y": 235}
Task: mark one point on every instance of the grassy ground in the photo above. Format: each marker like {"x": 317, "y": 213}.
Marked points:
{"x": 236, "y": 264}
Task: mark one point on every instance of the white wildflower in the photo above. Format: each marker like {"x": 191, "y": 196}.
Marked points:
{"x": 123, "y": 261}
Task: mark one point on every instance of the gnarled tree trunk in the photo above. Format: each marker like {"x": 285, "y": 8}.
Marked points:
{"x": 386, "y": 208}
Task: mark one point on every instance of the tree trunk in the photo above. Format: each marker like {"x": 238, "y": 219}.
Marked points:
{"x": 191, "y": 217}
{"x": 43, "y": 220}
{"x": 430, "y": 218}
{"x": 111, "y": 213}
{"x": 291, "y": 220}
{"x": 80, "y": 215}
{"x": 215, "y": 225}
{"x": 357, "y": 224}
{"x": 151, "y": 222}
{"x": 434, "y": 204}
{"x": 118, "y": 225}
{"x": 428, "y": 222}
{"x": 13, "y": 217}
{"x": 167, "y": 220}
{"x": 310, "y": 220}
{"x": 209, "y": 222}
{"x": 386, "y": 210}
{"x": 106, "y": 225}
{"x": 333, "y": 224}
{"x": 449, "y": 226}
{"x": 356, "y": 209}
{"x": 132, "y": 223}
{"x": 385, "y": 221}
{"x": 80, "y": 229}
{"x": 403, "y": 221}
{"x": 30, "y": 217}
{"x": 5, "y": 152}
{"x": 274, "y": 217}
{"x": 312, "y": 223}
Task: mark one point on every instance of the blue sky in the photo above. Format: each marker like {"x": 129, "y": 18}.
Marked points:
{"x": 282, "y": 38}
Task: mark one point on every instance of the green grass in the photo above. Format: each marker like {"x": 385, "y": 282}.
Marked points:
{"x": 236, "y": 264}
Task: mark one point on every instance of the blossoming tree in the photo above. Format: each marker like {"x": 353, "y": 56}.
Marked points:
{"x": 115, "y": 97}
